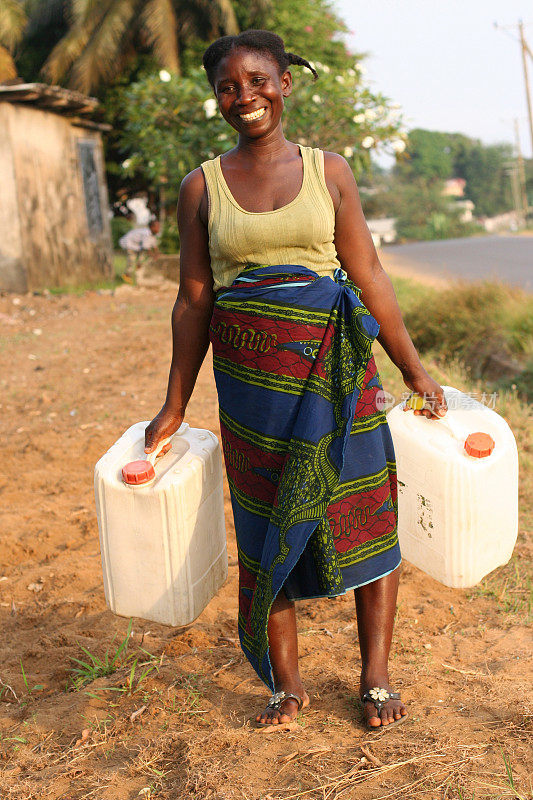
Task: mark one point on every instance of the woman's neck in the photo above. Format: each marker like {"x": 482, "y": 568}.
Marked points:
{"x": 265, "y": 148}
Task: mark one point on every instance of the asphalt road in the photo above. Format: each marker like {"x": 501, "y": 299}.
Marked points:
{"x": 505, "y": 258}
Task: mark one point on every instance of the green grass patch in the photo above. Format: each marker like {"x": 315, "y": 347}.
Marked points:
{"x": 485, "y": 326}
{"x": 119, "y": 267}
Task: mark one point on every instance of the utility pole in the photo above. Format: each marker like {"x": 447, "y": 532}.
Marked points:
{"x": 525, "y": 51}
{"x": 512, "y": 171}
{"x": 521, "y": 173}
{"x": 524, "y": 47}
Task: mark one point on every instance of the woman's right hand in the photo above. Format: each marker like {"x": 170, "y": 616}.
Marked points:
{"x": 164, "y": 424}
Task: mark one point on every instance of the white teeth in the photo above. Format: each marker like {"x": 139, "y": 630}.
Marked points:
{"x": 253, "y": 115}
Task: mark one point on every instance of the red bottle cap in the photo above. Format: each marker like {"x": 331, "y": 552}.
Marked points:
{"x": 479, "y": 445}
{"x": 138, "y": 472}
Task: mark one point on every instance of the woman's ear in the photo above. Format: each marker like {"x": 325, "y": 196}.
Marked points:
{"x": 286, "y": 83}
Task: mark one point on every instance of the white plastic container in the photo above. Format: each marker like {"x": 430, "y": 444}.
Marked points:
{"x": 163, "y": 543}
{"x": 457, "y": 513}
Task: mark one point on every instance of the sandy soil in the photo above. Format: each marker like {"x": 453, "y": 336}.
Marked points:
{"x": 77, "y": 371}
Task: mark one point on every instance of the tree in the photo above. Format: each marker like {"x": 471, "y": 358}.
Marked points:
{"x": 485, "y": 169}
{"x": 47, "y": 24}
{"x": 434, "y": 156}
{"x": 13, "y": 21}
{"x": 428, "y": 156}
{"x": 310, "y": 28}
{"x": 104, "y": 37}
{"x": 422, "y": 212}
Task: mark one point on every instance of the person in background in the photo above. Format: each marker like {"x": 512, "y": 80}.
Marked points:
{"x": 139, "y": 244}
{"x": 138, "y": 205}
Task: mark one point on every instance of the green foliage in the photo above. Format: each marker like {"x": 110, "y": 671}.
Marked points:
{"x": 30, "y": 689}
{"x": 432, "y": 156}
{"x": 95, "y": 667}
{"x": 472, "y": 323}
{"x": 103, "y": 39}
{"x": 169, "y": 242}
{"x": 339, "y": 112}
{"x": 420, "y": 209}
{"x": 169, "y": 128}
{"x": 48, "y": 23}
{"x": 119, "y": 226}
{"x": 135, "y": 670}
{"x": 485, "y": 169}
{"x": 310, "y": 28}
{"x": 428, "y": 156}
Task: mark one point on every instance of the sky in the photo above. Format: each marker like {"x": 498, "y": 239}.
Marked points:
{"x": 445, "y": 63}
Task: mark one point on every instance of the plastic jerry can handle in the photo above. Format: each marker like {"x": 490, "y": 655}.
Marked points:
{"x": 151, "y": 457}
{"x": 415, "y": 401}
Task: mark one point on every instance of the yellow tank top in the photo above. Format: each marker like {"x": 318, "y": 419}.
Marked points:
{"x": 300, "y": 232}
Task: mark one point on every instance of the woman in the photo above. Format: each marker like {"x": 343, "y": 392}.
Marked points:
{"x": 274, "y": 246}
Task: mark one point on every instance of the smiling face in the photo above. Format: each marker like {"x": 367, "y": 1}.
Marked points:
{"x": 250, "y": 91}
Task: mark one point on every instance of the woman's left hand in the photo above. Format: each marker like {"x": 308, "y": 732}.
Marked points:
{"x": 434, "y": 403}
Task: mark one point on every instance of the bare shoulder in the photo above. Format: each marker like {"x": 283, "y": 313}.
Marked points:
{"x": 337, "y": 168}
{"x": 338, "y": 176}
{"x": 193, "y": 195}
{"x": 193, "y": 185}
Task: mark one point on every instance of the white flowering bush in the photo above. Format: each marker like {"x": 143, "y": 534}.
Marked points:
{"x": 171, "y": 124}
{"x": 169, "y": 127}
{"x": 351, "y": 120}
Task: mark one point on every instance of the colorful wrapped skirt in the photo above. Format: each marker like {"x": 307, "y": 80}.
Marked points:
{"x": 308, "y": 451}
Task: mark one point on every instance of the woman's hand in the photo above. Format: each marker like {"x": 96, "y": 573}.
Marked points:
{"x": 432, "y": 393}
{"x": 163, "y": 424}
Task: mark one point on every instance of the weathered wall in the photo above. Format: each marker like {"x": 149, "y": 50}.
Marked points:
{"x": 57, "y": 246}
{"x": 12, "y": 273}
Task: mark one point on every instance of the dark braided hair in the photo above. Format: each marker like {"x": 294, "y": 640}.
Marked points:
{"x": 261, "y": 41}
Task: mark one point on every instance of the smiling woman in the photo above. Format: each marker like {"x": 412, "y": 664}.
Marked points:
{"x": 279, "y": 273}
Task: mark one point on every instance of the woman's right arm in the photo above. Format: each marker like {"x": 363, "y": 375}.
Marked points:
{"x": 192, "y": 310}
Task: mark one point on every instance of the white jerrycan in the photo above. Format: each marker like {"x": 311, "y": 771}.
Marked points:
{"x": 457, "y": 489}
{"x": 162, "y": 534}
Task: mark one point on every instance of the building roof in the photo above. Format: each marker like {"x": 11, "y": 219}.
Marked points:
{"x": 56, "y": 99}
{"x": 52, "y": 98}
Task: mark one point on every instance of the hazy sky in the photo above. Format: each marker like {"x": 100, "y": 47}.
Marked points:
{"x": 444, "y": 61}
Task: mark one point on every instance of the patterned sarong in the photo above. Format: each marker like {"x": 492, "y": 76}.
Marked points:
{"x": 308, "y": 453}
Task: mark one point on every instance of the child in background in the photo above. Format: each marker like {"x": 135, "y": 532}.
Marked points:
{"x": 139, "y": 244}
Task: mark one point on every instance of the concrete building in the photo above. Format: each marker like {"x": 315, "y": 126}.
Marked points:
{"x": 54, "y": 224}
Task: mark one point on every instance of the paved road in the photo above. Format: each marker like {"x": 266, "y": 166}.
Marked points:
{"x": 507, "y": 258}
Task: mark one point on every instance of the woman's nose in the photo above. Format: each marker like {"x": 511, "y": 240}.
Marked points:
{"x": 245, "y": 95}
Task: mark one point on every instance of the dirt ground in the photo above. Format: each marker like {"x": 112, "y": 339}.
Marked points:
{"x": 75, "y": 373}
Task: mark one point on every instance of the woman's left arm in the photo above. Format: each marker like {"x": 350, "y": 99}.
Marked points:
{"x": 357, "y": 255}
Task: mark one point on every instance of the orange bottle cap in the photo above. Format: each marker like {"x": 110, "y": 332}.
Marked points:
{"x": 479, "y": 445}
{"x": 138, "y": 472}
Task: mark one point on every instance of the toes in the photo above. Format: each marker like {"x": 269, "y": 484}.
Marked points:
{"x": 386, "y": 716}
{"x": 271, "y": 719}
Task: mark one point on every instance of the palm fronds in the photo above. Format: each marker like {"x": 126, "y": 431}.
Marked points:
{"x": 13, "y": 21}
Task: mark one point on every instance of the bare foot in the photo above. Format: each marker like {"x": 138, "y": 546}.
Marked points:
{"x": 392, "y": 711}
{"x": 288, "y": 710}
